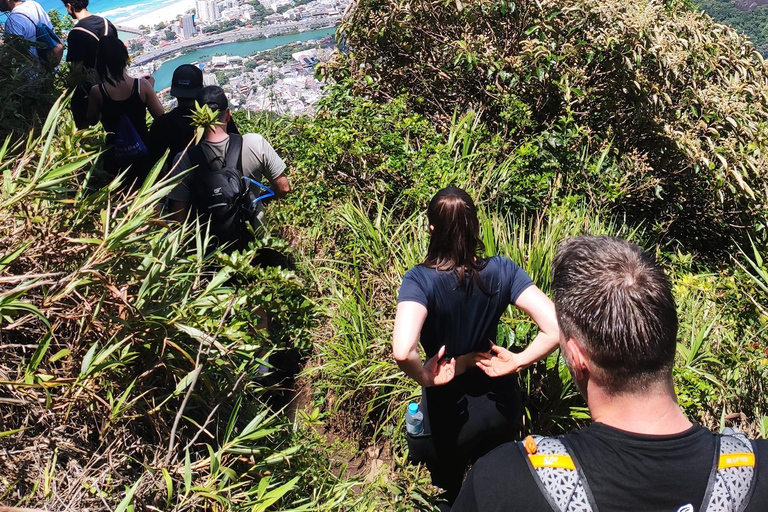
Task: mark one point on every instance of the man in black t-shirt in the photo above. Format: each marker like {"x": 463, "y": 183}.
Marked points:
{"x": 618, "y": 334}
{"x": 82, "y": 45}
{"x": 173, "y": 131}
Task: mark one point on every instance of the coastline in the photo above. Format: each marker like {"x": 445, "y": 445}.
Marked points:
{"x": 164, "y": 66}
{"x": 168, "y": 12}
{"x": 234, "y": 36}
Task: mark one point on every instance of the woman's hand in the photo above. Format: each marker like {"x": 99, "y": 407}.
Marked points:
{"x": 498, "y": 361}
{"x": 438, "y": 372}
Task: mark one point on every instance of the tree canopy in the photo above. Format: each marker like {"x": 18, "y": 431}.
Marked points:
{"x": 680, "y": 99}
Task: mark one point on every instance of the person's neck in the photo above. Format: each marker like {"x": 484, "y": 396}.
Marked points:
{"x": 218, "y": 134}
{"x": 651, "y": 412}
{"x": 125, "y": 78}
{"x": 82, "y": 14}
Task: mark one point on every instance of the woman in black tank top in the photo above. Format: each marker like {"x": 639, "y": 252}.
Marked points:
{"x": 119, "y": 95}
{"x": 452, "y": 304}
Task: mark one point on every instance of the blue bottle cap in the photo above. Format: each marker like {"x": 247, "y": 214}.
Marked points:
{"x": 413, "y": 407}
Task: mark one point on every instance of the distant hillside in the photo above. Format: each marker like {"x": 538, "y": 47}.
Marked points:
{"x": 748, "y": 5}
{"x": 750, "y": 17}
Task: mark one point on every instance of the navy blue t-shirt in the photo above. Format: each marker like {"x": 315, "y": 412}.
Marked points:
{"x": 463, "y": 322}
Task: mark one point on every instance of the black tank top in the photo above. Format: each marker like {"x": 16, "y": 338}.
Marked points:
{"x": 133, "y": 107}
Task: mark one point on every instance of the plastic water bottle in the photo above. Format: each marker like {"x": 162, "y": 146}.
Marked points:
{"x": 414, "y": 419}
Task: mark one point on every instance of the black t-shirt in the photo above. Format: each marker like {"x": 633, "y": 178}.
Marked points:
{"x": 463, "y": 322}
{"x": 82, "y": 47}
{"x": 173, "y": 131}
{"x": 625, "y": 471}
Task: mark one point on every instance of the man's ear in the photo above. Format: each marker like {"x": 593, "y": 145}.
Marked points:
{"x": 576, "y": 358}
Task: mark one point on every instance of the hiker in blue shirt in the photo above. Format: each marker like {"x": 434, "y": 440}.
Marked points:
{"x": 23, "y": 20}
{"x": 121, "y": 102}
{"x": 451, "y": 304}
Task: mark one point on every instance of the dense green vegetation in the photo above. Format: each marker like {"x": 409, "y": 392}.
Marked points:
{"x": 136, "y": 371}
{"x": 281, "y": 54}
{"x": 752, "y": 23}
{"x": 674, "y": 104}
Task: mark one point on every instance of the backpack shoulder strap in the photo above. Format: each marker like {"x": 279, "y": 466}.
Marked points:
{"x": 198, "y": 159}
{"x": 732, "y": 479}
{"x": 81, "y": 29}
{"x": 33, "y": 22}
{"x": 234, "y": 156}
{"x": 557, "y": 474}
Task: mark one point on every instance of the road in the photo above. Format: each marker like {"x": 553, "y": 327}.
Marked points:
{"x": 234, "y": 36}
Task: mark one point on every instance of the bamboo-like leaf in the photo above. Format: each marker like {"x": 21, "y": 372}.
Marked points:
{"x": 128, "y": 499}
{"x": 275, "y": 494}
{"x": 86, "y": 364}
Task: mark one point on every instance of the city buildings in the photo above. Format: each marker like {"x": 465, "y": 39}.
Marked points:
{"x": 188, "y": 26}
{"x": 207, "y": 11}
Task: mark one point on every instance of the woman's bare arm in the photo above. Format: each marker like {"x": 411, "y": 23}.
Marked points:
{"x": 500, "y": 361}
{"x": 94, "y": 106}
{"x": 150, "y": 98}
{"x": 409, "y": 319}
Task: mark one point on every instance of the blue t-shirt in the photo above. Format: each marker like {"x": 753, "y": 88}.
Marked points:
{"x": 463, "y": 322}
{"x": 23, "y": 19}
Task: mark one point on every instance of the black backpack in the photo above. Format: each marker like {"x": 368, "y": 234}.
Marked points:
{"x": 561, "y": 479}
{"x": 221, "y": 196}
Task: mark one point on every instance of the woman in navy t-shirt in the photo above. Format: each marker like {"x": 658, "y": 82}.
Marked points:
{"x": 452, "y": 303}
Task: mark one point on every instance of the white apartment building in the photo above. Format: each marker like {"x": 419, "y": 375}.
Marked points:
{"x": 207, "y": 11}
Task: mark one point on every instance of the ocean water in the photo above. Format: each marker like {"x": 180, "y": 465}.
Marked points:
{"x": 164, "y": 73}
{"x": 115, "y": 10}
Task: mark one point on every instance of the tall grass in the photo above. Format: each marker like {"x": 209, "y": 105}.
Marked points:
{"x": 356, "y": 376}
{"x": 132, "y": 358}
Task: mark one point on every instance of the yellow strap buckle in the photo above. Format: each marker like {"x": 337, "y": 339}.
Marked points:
{"x": 736, "y": 460}
{"x": 553, "y": 460}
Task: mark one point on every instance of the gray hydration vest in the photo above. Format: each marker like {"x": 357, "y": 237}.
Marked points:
{"x": 562, "y": 481}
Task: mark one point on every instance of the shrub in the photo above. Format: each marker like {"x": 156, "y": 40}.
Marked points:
{"x": 676, "y": 98}
{"x": 30, "y": 89}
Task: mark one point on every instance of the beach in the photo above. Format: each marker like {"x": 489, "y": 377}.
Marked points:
{"x": 131, "y": 14}
{"x": 168, "y": 12}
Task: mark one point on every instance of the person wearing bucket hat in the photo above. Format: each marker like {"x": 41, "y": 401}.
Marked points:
{"x": 173, "y": 131}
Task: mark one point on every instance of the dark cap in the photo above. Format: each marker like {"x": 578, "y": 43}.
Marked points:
{"x": 187, "y": 81}
{"x": 214, "y": 97}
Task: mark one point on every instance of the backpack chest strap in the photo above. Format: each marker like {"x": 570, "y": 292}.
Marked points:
{"x": 733, "y": 474}
{"x": 557, "y": 474}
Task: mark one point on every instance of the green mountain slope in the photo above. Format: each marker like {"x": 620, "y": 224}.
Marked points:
{"x": 753, "y": 22}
